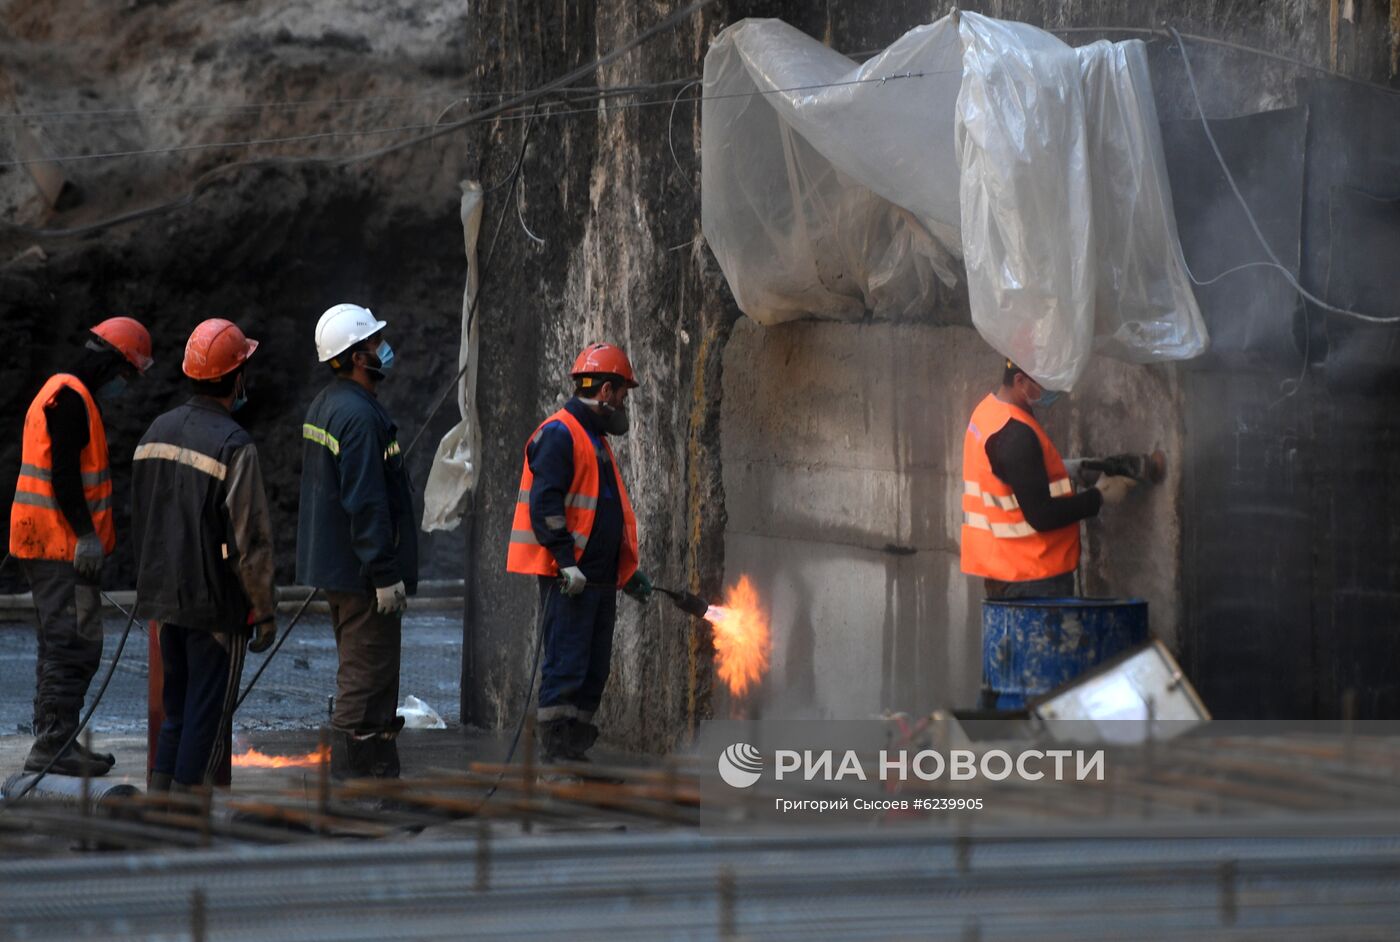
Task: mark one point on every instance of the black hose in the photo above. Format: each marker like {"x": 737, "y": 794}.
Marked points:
{"x": 529, "y": 694}
{"x": 121, "y": 646}
{"x": 275, "y": 648}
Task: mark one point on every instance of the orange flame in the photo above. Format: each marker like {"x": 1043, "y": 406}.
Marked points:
{"x": 742, "y": 643}
{"x": 252, "y": 759}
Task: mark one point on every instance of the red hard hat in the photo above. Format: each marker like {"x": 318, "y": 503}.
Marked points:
{"x": 129, "y": 338}
{"x": 216, "y": 348}
{"x": 604, "y": 358}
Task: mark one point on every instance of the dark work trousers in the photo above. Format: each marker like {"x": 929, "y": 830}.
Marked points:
{"x": 1056, "y": 587}
{"x": 578, "y": 637}
{"x": 367, "y": 681}
{"x": 202, "y": 674}
{"x": 70, "y": 646}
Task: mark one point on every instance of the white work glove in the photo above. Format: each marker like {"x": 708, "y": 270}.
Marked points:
{"x": 392, "y": 599}
{"x": 88, "y": 556}
{"x": 572, "y": 581}
{"x": 1114, "y": 487}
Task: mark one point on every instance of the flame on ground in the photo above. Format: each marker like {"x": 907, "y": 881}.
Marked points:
{"x": 252, "y": 759}
{"x": 742, "y": 642}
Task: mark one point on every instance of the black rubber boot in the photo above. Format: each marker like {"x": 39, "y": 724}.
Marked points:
{"x": 356, "y": 756}
{"x": 554, "y": 740}
{"x": 104, "y": 758}
{"x": 578, "y": 739}
{"x": 71, "y": 762}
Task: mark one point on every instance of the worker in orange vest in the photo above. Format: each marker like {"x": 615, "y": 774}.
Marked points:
{"x": 1021, "y": 513}
{"x": 575, "y": 530}
{"x": 61, "y": 531}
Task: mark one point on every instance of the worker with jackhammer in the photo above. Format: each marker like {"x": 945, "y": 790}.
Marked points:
{"x": 204, "y": 560}
{"x": 575, "y": 530}
{"x": 356, "y": 537}
{"x": 1021, "y": 514}
{"x": 61, "y": 532}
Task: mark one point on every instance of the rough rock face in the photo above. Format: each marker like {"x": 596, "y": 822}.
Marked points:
{"x": 612, "y": 250}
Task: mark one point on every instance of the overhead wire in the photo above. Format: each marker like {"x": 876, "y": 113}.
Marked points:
{"x": 123, "y": 114}
{"x": 601, "y": 97}
{"x": 511, "y": 103}
{"x": 1274, "y": 261}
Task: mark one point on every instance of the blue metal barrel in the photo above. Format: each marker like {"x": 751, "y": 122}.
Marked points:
{"x": 1032, "y": 646}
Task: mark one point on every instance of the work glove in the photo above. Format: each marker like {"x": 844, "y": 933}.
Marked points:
{"x": 1114, "y": 487}
{"x": 264, "y": 633}
{"x": 572, "y": 581}
{"x": 88, "y": 556}
{"x": 639, "y": 586}
{"x": 391, "y": 599}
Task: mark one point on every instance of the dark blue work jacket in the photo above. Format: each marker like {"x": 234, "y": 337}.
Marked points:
{"x": 356, "y": 529}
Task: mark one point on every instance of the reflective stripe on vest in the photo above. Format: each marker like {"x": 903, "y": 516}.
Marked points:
{"x": 525, "y": 554}
{"x": 997, "y": 541}
{"x": 38, "y": 528}
{"x": 185, "y": 456}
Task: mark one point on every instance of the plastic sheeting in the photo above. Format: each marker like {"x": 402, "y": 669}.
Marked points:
{"x": 835, "y": 190}
{"x": 457, "y": 460}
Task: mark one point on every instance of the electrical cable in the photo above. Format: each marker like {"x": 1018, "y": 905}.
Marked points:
{"x": 671, "y": 138}
{"x": 1249, "y": 214}
{"x": 111, "y": 671}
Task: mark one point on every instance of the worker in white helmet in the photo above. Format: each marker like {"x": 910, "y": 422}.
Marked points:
{"x": 356, "y": 539}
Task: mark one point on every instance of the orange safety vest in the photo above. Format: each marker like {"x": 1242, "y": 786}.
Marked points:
{"x": 38, "y": 529}
{"x": 526, "y": 555}
{"x": 997, "y": 542}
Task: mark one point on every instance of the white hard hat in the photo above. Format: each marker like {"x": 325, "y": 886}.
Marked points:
{"x": 343, "y": 326}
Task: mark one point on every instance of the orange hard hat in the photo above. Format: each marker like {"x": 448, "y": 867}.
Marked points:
{"x": 216, "y": 348}
{"x": 604, "y": 358}
{"x": 129, "y": 338}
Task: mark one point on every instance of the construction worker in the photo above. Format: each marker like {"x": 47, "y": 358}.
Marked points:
{"x": 1021, "y": 514}
{"x": 61, "y": 531}
{"x": 356, "y": 538}
{"x": 574, "y": 529}
{"x": 204, "y": 566}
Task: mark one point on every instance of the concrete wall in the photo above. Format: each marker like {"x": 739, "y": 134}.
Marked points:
{"x": 841, "y": 446}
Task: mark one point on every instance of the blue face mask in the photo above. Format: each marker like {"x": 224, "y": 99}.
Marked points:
{"x": 114, "y": 388}
{"x": 240, "y": 397}
{"x": 385, "y": 355}
{"x": 1048, "y": 398}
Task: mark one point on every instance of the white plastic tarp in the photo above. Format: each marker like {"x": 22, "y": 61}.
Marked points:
{"x": 835, "y": 190}
{"x": 458, "y": 458}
